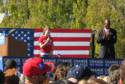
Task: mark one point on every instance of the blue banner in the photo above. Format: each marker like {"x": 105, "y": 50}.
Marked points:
{"x": 99, "y": 66}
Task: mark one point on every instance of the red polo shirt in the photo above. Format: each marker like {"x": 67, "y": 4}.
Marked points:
{"x": 48, "y": 47}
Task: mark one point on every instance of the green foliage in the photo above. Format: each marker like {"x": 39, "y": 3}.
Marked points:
{"x": 67, "y": 14}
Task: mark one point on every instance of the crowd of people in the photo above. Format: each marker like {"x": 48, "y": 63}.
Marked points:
{"x": 36, "y": 70}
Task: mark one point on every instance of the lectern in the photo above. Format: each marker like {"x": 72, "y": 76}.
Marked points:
{"x": 13, "y": 47}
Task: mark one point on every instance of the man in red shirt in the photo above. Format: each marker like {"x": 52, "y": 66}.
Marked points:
{"x": 46, "y": 43}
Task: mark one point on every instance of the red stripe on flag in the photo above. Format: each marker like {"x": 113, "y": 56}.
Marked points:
{"x": 38, "y": 55}
{"x": 67, "y": 30}
{"x": 67, "y": 47}
{"x": 36, "y": 38}
{"x": 71, "y": 47}
{"x": 38, "y": 30}
{"x": 69, "y": 39}
{"x": 36, "y": 48}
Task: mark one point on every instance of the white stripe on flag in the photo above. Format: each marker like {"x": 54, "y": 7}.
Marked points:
{"x": 72, "y": 43}
{"x": 66, "y": 52}
{"x": 57, "y": 43}
{"x": 65, "y": 34}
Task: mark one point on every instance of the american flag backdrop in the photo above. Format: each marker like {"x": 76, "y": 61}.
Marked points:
{"x": 68, "y": 43}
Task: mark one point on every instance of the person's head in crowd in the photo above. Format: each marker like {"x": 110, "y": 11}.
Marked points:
{"x": 10, "y": 72}
{"x": 10, "y": 63}
{"x": 61, "y": 70}
{"x": 96, "y": 81}
{"x": 59, "y": 82}
{"x": 83, "y": 81}
{"x": 78, "y": 72}
{"x": 2, "y": 78}
{"x": 75, "y": 74}
{"x": 35, "y": 70}
{"x": 63, "y": 82}
{"x": 10, "y": 68}
{"x": 105, "y": 78}
{"x": 63, "y": 64}
{"x": 113, "y": 68}
{"x": 114, "y": 73}
{"x": 88, "y": 73}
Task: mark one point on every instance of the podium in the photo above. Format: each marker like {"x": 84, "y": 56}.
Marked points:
{"x": 13, "y": 47}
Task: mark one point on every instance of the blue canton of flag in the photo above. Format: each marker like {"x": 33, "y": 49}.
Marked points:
{"x": 25, "y": 35}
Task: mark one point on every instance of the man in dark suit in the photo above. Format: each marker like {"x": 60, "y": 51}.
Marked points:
{"x": 107, "y": 38}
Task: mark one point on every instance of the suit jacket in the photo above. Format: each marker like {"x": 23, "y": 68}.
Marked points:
{"x": 107, "y": 43}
